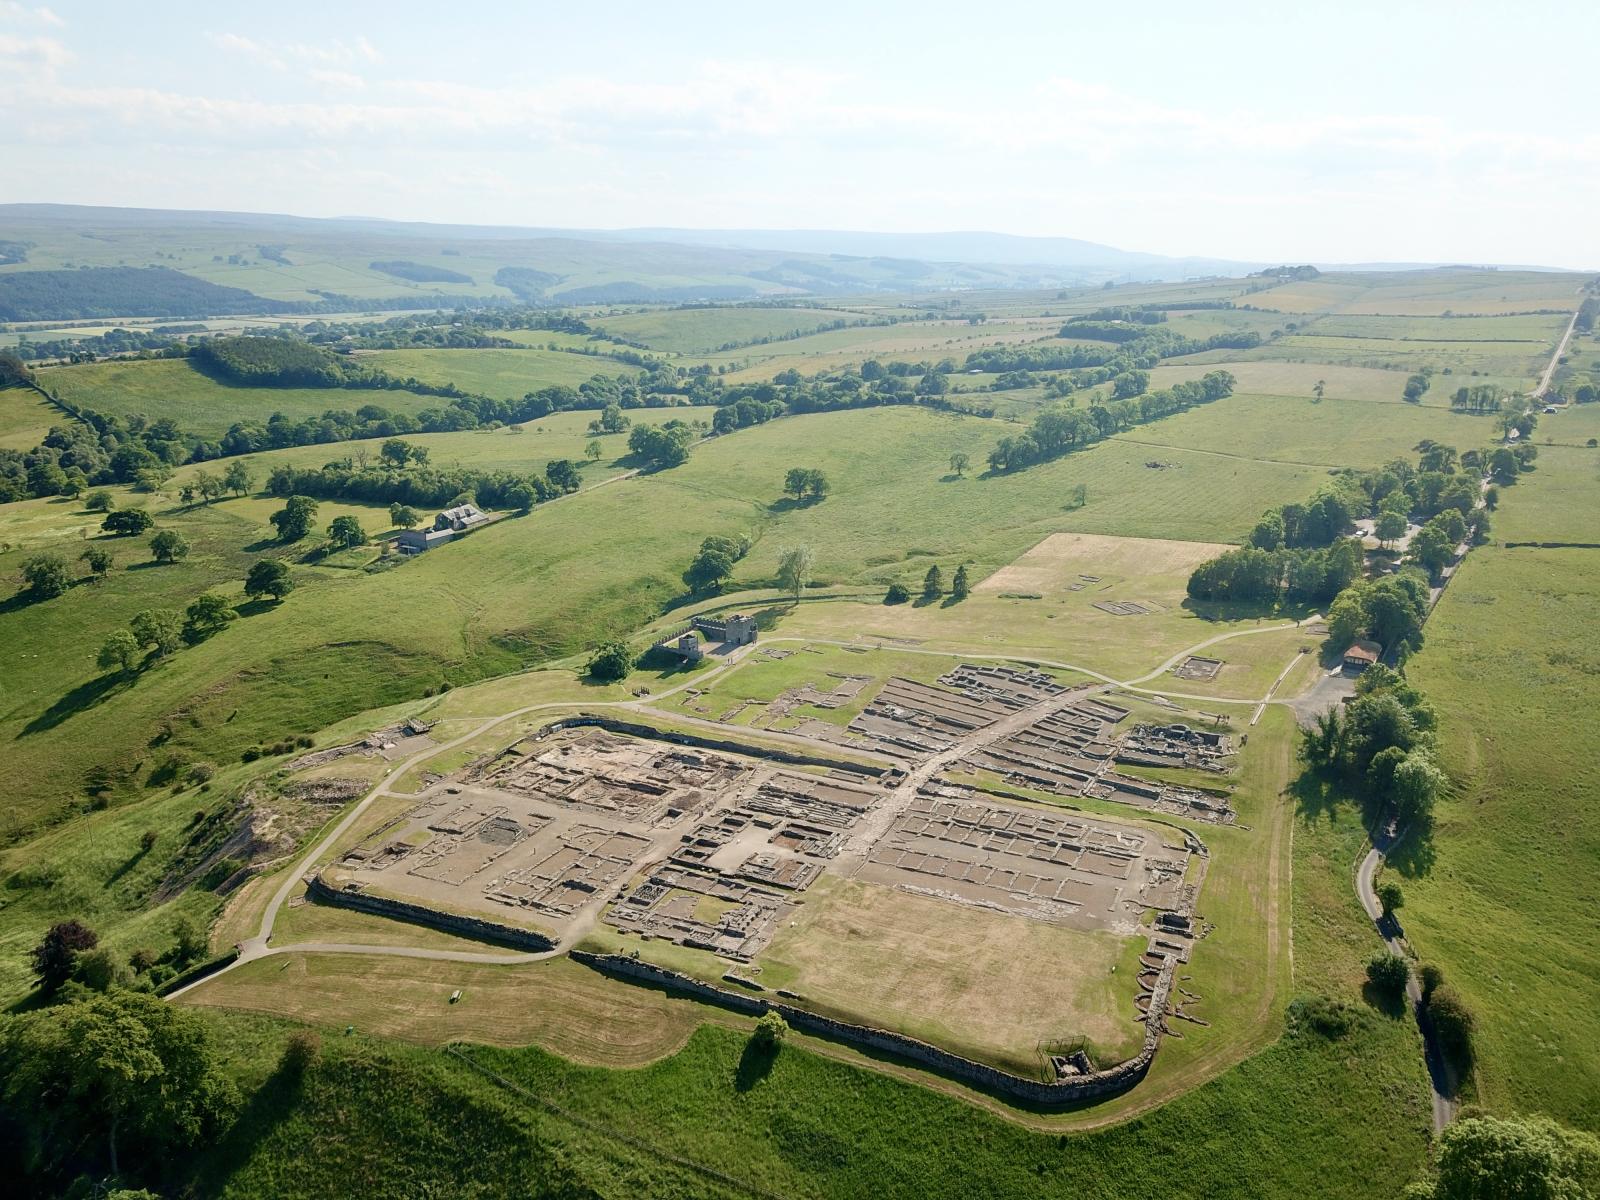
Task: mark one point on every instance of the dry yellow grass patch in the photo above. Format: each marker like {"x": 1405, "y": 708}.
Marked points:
{"x": 981, "y": 983}
{"x": 1057, "y": 561}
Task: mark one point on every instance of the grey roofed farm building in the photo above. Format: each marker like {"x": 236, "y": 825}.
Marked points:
{"x": 460, "y": 518}
{"x": 447, "y": 526}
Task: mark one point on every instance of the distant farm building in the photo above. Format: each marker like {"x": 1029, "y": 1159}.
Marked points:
{"x": 689, "y": 643}
{"x": 447, "y": 526}
{"x": 1361, "y": 655}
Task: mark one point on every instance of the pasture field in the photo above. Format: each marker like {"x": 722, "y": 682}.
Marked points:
{"x": 1424, "y": 293}
{"x": 1540, "y": 329}
{"x": 559, "y": 1005}
{"x": 1297, "y": 431}
{"x": 25, "y": 418}
{"x": 913, "y": 341}
{"x": 1502, "y": 896}
{"x": 560, "y": 435}
{"x": 1558, "y": 501}
{"x": 1572, "y": 426}
{"x": 171, "y": 387}
{"x": 1283, "y": 377}
{"x": 502, "y": 374}
{"x": 893, "y": 464}
{"x": 1516, "y": 359}
{"x": 703, "y": 330}
{"x": 551, "y": 339}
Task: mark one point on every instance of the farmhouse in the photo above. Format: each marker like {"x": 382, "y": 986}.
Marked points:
{"x": 448, "y": 525}
{"x": 1361, "y": 655}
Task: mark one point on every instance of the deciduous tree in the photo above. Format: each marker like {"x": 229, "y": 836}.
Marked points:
{"x": 794, "y": 569}
{"x": 293, "y": 520}
{"x": 346, "y": 533}
{"x": 57, "y": 952}
{"x": 46, "y": 575}
{"x": 120, "y": 650}
{"x": 169, "y": 546}
{"x": 268, "y": 577}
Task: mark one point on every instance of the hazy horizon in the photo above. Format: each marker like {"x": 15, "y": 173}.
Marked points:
{"x": 1256, "y": 135}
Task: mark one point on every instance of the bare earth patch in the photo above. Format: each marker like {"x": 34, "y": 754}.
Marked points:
{"x": 1059, "y": 561}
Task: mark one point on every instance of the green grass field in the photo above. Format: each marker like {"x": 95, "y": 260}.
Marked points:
{"x": 503, "y": 374}
{"x": 916, "y": 341}
{"x": 1295, "y": 379}
{"x": 1511, "y": 664}
{"x": 1330, "y": 434}
{"x": 173, "y": 388}
{"x": 1424, "y": 293}
{"x": 25, "y": 418}
{"x": 560, "y": 435}
{"x": 1555, "y": 502}
{"x": 702, "y": 330}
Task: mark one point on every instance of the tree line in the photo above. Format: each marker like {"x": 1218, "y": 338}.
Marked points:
{"x": 1056, "y": 431}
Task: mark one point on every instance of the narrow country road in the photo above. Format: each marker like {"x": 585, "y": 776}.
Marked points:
{"x": 1555, "y": 359}
{"x": 1444, "y": 1108}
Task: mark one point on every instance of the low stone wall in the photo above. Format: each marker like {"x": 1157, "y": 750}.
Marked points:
{"x": 727, "y": 746}
{"x": 1072, "y": 1090}
{"x": 1553, "y": 545}
{"x": 478, "y": 928}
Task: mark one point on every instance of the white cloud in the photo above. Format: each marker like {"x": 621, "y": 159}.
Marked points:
{"x": 284, "y": 56}
{"x": 33, "y": 51}
{"x": 24, "y": 14}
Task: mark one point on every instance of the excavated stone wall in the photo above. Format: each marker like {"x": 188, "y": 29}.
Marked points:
{"x": 416, "y": 914}
{"x": 726, "y": 745}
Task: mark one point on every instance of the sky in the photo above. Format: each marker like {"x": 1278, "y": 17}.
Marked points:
{"x": 1399, "y": 132}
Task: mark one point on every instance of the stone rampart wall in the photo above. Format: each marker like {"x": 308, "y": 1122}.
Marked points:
{"x": 1071, "y": 1090}
{"x": 478, "y": 928}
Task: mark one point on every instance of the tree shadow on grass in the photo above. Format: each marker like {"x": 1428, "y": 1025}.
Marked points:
{"x": 125, "y": 866}
{"x": 81, "y": 698}
{"x": 755, "y": 1064}
{"x": 20, "y": 600}
{"x": 274, "y": 1102}
{"x": 1390, "y": 1003}
{"x": 1413, "y": 855}
{"x": 1316, "y": 795}
{"x": 254, "y": 608}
